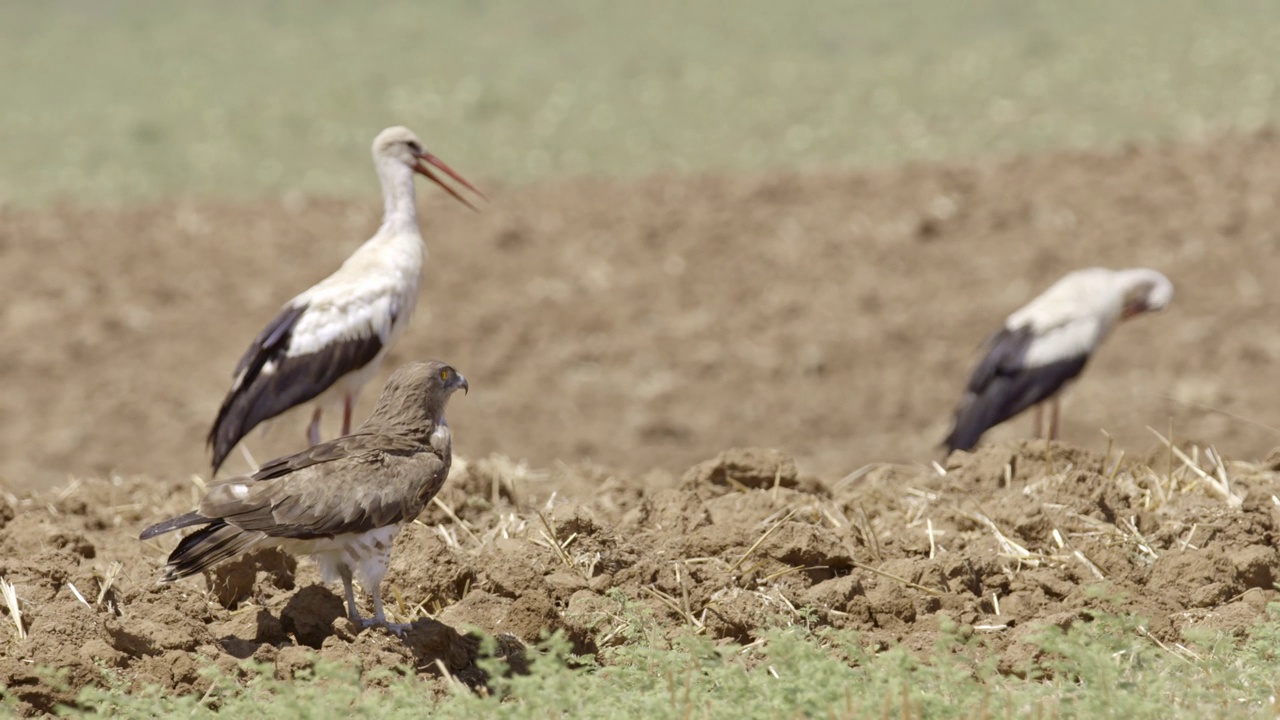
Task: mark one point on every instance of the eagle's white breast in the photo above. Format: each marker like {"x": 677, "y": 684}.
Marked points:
{"x": 367, "y": 555}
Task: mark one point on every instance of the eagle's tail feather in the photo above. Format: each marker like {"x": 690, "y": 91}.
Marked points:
{"x": 207, "y": 547}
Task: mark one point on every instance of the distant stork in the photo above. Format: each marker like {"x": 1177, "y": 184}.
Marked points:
{"x": 329, "y": 341}
{"x": 1046, "y": 344}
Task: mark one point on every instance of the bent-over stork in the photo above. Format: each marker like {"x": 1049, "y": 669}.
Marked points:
{"x": 329, "y": 341}
{"x": 1046, "y": 344}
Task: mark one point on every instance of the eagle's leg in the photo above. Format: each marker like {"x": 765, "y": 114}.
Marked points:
{"x": 346, "y": 414}
{"x": 1053, "y": 419}
{"x": 380, "y": 617}
{"x": 345, "y": 573}
{"x": 313, "y": 430}
{"x": 1037, "y": 422}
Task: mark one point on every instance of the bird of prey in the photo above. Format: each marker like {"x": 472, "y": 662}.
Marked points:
{"x": 343, "y": 501}
{"x": 1046, "y": 344}
{"x": 329, "y": 341}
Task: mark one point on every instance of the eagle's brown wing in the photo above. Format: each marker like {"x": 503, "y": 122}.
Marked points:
{"x": 339, "y": 449}
{"x": 371, "y": 482}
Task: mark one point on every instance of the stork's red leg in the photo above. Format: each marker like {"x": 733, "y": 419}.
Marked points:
{"x": 346, "y": 415}
{"x": 313, "y": 430}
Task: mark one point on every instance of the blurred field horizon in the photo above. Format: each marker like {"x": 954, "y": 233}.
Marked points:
{"x": 135, "y": 100}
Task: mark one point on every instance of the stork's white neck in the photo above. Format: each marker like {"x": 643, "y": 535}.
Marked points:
{"x": 400, "y": 208}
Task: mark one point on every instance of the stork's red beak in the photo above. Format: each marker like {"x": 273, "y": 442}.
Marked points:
{"x": 426, "y": 161}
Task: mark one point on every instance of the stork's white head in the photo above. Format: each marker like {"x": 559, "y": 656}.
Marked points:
{"x": 398, "y": 146}
{"x": 1145, "y": 290}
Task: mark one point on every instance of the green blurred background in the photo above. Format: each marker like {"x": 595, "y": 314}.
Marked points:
{"x": 116, "y": 101}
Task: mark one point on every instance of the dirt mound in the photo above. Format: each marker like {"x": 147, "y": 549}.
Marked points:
{"x": 1011, "y": 538}
{"x": 652, "y": 323}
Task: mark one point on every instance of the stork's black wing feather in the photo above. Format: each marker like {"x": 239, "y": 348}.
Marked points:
{"x": 1003, "y": 385}
{"x": 259, "y": 394}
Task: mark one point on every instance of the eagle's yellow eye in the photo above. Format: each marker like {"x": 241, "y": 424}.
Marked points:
{"x": 444, "y": 374}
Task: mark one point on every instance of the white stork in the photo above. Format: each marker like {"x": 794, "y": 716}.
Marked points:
{"x": 329, "y": 341}
{"x": 1046, "y": 344}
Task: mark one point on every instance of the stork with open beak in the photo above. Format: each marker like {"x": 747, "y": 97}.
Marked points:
{"x": 1047, "y": 343}
{"x": 329, "y": 341}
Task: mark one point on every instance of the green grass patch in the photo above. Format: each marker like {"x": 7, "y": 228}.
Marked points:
{"x": 1103, "y": 667}
{"x": 131, "y": 99}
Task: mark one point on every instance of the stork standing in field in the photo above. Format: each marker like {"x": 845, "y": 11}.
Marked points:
{"x": 1046, "y": 344}
{"x": 329, "y": 341}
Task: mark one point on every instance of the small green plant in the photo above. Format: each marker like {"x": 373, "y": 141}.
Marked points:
{"x": 1102, "y": 666}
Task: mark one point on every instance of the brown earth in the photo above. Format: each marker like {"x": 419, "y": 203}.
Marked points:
{"x": 1014, "y": 538}
{"x": 620, "y": 332}
{"x": 651, "y": 324}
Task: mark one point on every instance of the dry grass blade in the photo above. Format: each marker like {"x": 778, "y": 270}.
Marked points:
{"x": 895, "y": 578}
{"x": 108, "y": 579}
{"x": 248, "y": 457}
{"x": 456, "y": 520}
{"x": 834, "y": 516}
{"x": 1115, "y": 470}
{"x": 1108, "y": 470}
{"x": 868, "y": 533}
{"x": 79, "y": 596}
{"x": 204, "y": 702}
{"x": 1214, "y": 484}
{"x": 504, "y": 473}
{"x": 855, "y": 476}
{"x": 1144, "y": 633}
{"x": 684, "y": 589}
{"x": 71, "y": 489}
{"x": 1184, "y": 544}
{"x": 509, "y": 525}
{"x": 1130, "y": 529}
{"x": 787, "y": 571}
{"x": 1221, "y": 468}
{"x": 453, "y": 682}
{"x": 550, "y": 536}
{"x": 670, "y": 602}
{"x": 15, "y": 611}
{"x": 756, "y": 644}
{"x": 1097, "y": 572}
{"x": 450, "y": 538}
{"x": 1162, "y": 493}
{"x": 761, "y": 539}
{"x": 1007, "y": 546}
{"x": 402, "y": 609}
{"x": 1106, "y": 457}
{"x": 933, "y": 544}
